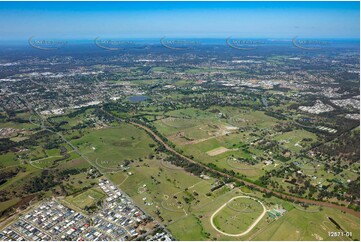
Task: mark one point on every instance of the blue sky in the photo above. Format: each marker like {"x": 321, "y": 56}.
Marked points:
{"x": 87, "y": 20}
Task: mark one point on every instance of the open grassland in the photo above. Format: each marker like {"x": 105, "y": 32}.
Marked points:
{"x": 110, "y": 147}
{"x": 182, "y": 201}
{"x": 165, "y": 191}
{"x": 308, "y": 208}
{"x": 69, "y": 120}
{"x": 202, "y": 215}
{"x": 231, "y": 156}
{"x": 217, "y": 151}
{"x": 246, "y": 118}
{"x": 17, "y": 185}
{"x": 53, "y": 161}
{"x": 191, "y": 131}
{"x": 188, "y": 228}
{"x": 184, "y": 119}
{"x": 238, "y": 215}
{"x": 222, "y": 136}
{"x": 81, "y": 180}
{"x": 293, "y": 140}
{"x": 189, "y": 126}
{"x": 20, "y": 179}
{"x": 7, "y": 204}
{"x": 14, "y": 125}
{"x": 86, "y": 199}
{"x": 8, "y": 159}
{"x": 294, "y": 225}
{"x": 300, "y": 225}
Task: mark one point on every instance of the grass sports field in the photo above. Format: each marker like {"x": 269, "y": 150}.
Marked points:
{"x": 294, "y": 225}
{"x": 237, "y": 215}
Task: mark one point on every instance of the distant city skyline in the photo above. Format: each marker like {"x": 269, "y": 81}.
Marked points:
{"x": 86, "y": 20}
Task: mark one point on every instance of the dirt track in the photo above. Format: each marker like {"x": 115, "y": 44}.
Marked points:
{"x": 262, "y": 189}
{"x": 217, "y": 151}
{"x": 249, "y": 228}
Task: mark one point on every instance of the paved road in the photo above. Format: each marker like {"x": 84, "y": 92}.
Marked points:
{"x": 76, "y": 150}
{"x": 166, "y": 146}
{"x": 262, "y": 189}
{"x": 249, "y": 228}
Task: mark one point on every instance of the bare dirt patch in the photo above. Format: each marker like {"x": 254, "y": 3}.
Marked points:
{"x": 218, "y": 151}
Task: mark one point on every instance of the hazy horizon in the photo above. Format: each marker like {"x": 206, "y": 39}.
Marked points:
{"x": 87, "y": 20}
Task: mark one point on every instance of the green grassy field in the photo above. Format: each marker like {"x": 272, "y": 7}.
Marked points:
{"x": 87, "y": 198}
{"x": 17, "y": 181}
{"x": 188, "y": 228}
{"x": 211, "y": 139}
{"x": 294, "y": 225}
{"x": 203, "y": 213}
{"x": 26, "y": 126}
{"x": 224, "y": 136}
{"x": 238, "y": 215}
{"x": 293, "y": 140}
{"x": 53, "y": 161}
{"x": 110, "y": 147}
{"x": 5, "y": 205}
{"x": 308, "y": 208}
{"x": 69, "y": 122}
{"x": 8, "y": 159}
{"x": 300, "y": 225}
{"x": 159, "y": 186}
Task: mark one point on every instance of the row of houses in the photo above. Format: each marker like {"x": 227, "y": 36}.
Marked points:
{"x": 119, "y": 209}
{"x": 117, "y": 219}
{"x": 10, "y": 234}
{"x": 51, "y": 221}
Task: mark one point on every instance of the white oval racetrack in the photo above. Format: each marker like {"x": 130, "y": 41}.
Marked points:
{"x": 249, "y": 228}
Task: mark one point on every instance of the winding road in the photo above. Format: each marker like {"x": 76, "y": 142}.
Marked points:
{"x": 249, "y": 184}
